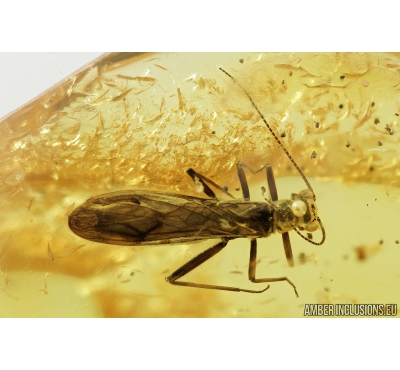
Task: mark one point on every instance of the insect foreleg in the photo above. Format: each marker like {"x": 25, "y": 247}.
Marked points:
{"x": 197, "y": 261}
{"x": 252, "y": 268}
{"x": 274, "y": 196}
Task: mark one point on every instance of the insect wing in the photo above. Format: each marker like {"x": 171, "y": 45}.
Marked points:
{"x": 140, "y": 217}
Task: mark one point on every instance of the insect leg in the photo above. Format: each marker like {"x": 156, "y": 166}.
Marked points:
{"x": 274, "y": 196}
{"x": 252, "y": 268}
{"x": 197, "y": 261}
{"x": 243, "y": 181}
{"x": 201, "y": 180}
{"x": 242, "y": 177}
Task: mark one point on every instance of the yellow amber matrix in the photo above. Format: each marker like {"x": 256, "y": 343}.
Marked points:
{"x": 139, "y": 121}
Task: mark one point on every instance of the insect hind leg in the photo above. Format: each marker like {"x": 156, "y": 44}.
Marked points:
{"x": 201, "y": 181}
{"x": 196, "y": 262}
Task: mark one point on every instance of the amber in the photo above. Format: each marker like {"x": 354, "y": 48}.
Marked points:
{"x": 139, "y": 121}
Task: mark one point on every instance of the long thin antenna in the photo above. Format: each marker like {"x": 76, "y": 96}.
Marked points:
{"x": 273, "y": 134}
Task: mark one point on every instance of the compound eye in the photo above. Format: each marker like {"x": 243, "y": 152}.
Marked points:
{"x": 299, "y": 208}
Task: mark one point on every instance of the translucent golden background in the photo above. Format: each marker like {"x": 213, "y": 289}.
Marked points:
{"x": 130, "y": 121}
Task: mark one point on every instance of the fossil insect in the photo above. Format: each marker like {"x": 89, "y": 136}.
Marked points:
{"x": 138, "y": 217}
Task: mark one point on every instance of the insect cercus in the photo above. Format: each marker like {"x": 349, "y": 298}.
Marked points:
{"x": 137, "y": 217}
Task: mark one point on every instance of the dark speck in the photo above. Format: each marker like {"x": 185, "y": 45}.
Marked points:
{"x": 342, "y": 77}
{"x": 341, "y": 106}
{"x": 388, "y": 129}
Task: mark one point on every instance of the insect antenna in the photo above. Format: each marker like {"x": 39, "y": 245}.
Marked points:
{"x": 273, "y": 133}
{"x": 291, "y": 160}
